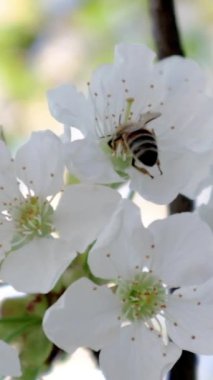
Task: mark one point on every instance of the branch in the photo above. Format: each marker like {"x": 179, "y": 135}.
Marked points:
{"x": 165, "y": 30}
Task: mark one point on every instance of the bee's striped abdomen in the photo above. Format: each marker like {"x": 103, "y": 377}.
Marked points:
{"x": 142, "y": 144}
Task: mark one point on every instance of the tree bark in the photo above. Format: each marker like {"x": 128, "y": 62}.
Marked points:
{"x": 168, "y": 42}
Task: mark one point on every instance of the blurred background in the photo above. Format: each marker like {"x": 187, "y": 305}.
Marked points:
{"x": 45, "y": 43}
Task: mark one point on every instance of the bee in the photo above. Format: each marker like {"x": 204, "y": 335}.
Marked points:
{"x": 141, "y": 142}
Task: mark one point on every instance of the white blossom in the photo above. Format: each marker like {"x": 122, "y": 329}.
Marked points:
{"x": 155, "y": 303}
{"x": 202, "y": 175}
{"x": 43, "y": 224}
{"x": 166, "y": 98}
{"x": 9, "y": 360}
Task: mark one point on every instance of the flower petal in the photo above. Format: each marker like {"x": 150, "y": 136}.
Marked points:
{"x": 189, "y": 318}
{"x": 7, "y": 230}
{"x": 123, "y": 246}
{"x": 179, "y": 72}
{"x": 37, "y": 266}
{"x": 8, "y": 182}
{"x": 86, "y": 315}
{"x": 9, "y": 363}
{"x": 114, "y": 84}
{"x": 183, "y": 250}
{"x": 137, "y": 353}
{"x": 200, "y": 175}
{"x": 70, "y": 107}
{"x": 40, "y": 163}
{"x": 163, "y": 188}
{"x": 88, "y": 162}
{"x": 82, "y": 213}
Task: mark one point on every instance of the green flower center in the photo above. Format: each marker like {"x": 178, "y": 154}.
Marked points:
{"x": 33, "y": 218}
{"x": 121, "y": 160}
{"x": 142, "y": 298}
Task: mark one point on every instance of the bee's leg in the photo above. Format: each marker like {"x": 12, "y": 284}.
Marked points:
{"x": 159, "y": 168}
{"x": 142, "y": 170}
{"x": 110, "y": 143}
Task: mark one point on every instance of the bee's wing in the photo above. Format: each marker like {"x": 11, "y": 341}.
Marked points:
{"x": 145, "y": 118}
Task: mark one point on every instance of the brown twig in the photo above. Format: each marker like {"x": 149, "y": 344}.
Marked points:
{"x": 165, "y": 30}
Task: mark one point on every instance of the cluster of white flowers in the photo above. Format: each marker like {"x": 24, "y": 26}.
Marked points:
{"x": 143, "y": 294}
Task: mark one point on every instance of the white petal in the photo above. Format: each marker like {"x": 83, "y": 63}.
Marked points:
{"x": 40, "y": 163}
{"x": 200, "y": 175}
{"x": 82, "y": 213}
{"x": 129, "y": 59}
{"x": 7, "y": 231}
{"x": 189, "y": 318}
{"x": 137, "y": 353}
{"x": 37, "y": 266}
{"x": 114, "y": 84}
{"x": 88, "y": 162}
{"x": 183, "y": 250}
{"x": 179, "y": 72}
{"x": 70, "y": 107}
{"x": 162, "y": 189}
{"x": 85, "y": 315}
{"x": 8, "y": 182}
{"x": 195, "y": 139}
{"x": 123, "y": 246}
{"x": 133, "y": 55}
{"x": 9, "y": 360}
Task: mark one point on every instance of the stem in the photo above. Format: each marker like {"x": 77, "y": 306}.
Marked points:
{"x": 167, "y": 40}
{"x": 164, "y": 27}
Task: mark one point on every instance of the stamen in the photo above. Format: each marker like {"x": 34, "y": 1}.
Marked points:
{"x": 142, "y": 297}
{"x": 129, "y": 102}
{"x": 32, "y": 217}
